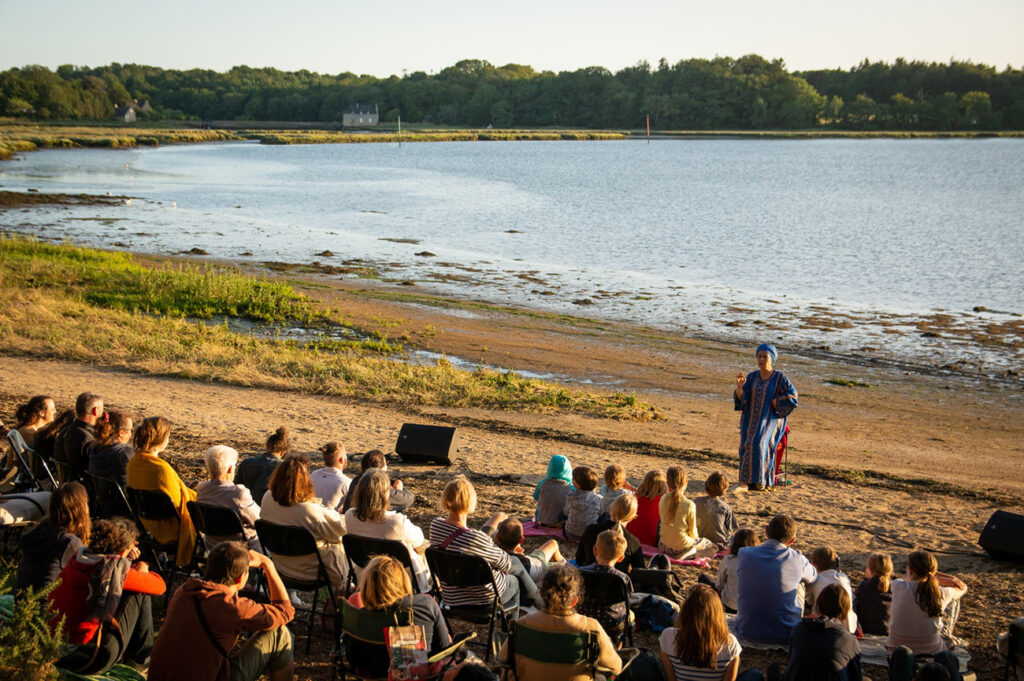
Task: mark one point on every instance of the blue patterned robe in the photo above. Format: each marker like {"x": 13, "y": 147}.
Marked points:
{"x": 761, "y": 425}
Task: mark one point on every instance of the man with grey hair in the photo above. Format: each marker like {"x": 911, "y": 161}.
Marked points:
{"x": 219, "y": 490}
{"x": 73, "y": 444}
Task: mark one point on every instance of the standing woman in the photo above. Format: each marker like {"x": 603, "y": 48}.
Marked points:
{"x": 766, "y": 398}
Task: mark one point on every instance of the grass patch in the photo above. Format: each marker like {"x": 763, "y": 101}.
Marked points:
{"x": 327, "y": 137}
{"x": 17, "y": 138}
{"x": 106, "y": 309}
{"x": 847, "y": 382}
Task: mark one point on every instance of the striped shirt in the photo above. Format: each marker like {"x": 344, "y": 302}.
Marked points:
{"x": 474, "y": 543}
{"x": 727, "y": 653}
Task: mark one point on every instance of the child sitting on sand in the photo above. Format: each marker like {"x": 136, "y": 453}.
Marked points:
{"x": 872, "y": 601}
{"x": 715, "y": 520}
{"x": 727, "y": 584}
{"x": 551, "y": 492}
{"x": 509, "y": 538}
{"x": 677, "y": 535}
{"x": 615, "y": 485}
{"x": 583, "y": 506}
{"x": 826, "y": 561}
{"x": 645, "y": 525}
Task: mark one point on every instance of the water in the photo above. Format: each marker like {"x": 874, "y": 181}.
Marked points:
{"x": 857, "y": 247}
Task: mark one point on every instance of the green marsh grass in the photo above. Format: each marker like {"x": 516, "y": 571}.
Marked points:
{"x": 102, "y": 308}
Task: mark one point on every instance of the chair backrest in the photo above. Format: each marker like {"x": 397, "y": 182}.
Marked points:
{"x": 550, "y": 647}
{"x": 286, "y": 540}
{"x": 459, "y": 569}
{"x": 601, "y": 589}
{"x": 361, "y": 549}
{"x": 22, "y": 452}
{"x": 152, "y": 504}
{"x": 363, "y": 642}
{"x": 110, "y": 497}
{"x": 66, "y": 472}
{"x": 215, "y": 521}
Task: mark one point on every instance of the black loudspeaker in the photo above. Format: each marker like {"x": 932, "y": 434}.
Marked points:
{"x": 426, "y": 444}
{"x": 1003, "y": 536}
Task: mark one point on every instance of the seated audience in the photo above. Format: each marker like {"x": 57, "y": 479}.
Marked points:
{"x": 31, "y": 417}
{"x": 290, "y": 501}
{"x": 727, "y": 584}
{"x": 919, "y": 603}
{"x": 47, "y": 548}
{"x": 677, "y": 532}
{"x": 609, "y": 550}
{"x": 822, "y": 648}
{"x": 329, "y": 483}
{"x": 715, "y": 519}
{"x": 648, "y": 495}
{"x": 384, "y": 585}
{"x": 399, "y": 497}
{"x": 615, "y": 485}
{"x": 205, "y": 617}
{"x": 147, "y": 471}
{"x": 619, "y": 516}
{"x": 561, "y": 591}
{"x": 254, "y": 472}
{"x": 551, "y": 492}
{"x": 771, "y": 579}
{"x": 872, "y": 601}
{"x": 220, "y": 491}
{"x": 73, "y": 444}
{"x": 370, "y": 517}
{"x": 582, "y": 506}
{"x": 509, "y": 537}
{"x": 103, "y": 592}
{"x": 113, "y": 449}
{"x": 699, "y": 645}
{"x": 451, "y": 533}
{"x": 826, "y": 561}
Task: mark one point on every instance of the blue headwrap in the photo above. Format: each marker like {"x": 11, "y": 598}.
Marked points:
{"x": 559, "y": 468}
{"x": 770, "y": 349}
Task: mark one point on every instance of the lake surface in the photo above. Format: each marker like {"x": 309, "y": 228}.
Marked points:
{"x": 868, "y": 248}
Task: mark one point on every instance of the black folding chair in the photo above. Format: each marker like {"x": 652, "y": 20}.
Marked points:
{"x": 461, "y": 570}
{"x": 286, "y": 540}
{"x": 154, "y": 505}
{"x": 359, "y": 551}
{"x": 110, "y": 498}
{"x": 27, "y": 480}
{"x": 600, "y": 590}
{"x": 66, "y": 472}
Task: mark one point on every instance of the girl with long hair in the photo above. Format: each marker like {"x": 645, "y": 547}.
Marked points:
{"x": 872, "y": 600}
{"x": 677, "y": 534}
{"x": 920, "y": 602}
{"x": 648, "y": 496}
{"x": 49, "y": 545}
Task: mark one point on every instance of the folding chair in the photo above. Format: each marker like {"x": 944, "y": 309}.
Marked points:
{"x": 111, "y": 500}
{"x": 600, "y": 590}
{"x": 465, "y": 570}
{"x": 154, "y": 505}
{"x": 284, "y": 540}
{"x": 362, "y": 651}
{"x": 216, "y": 521}
{"x": 66, "y": 472}
{"x": 27, "y": 480}
{"x": 359, "y": 551}
{"x": 1014, "y": 649}
{"x": 557, "y": 648}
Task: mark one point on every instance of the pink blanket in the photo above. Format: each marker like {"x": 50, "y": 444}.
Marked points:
{"x": 695, "y": 562}
{"x": 531, "y": 528}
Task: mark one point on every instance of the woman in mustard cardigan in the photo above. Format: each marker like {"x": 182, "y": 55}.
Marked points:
{"x": 147, "y": 471}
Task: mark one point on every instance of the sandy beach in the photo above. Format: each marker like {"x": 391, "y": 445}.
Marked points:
{"x": 911, "y": 461}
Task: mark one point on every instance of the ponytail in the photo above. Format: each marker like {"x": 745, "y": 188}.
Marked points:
{"x": 929, "y": 595}
{"x": 28, "y": 412}
{"x": 676, "y": 479}
{"x": 881, "y": 567}
{"x": 108, "y": 429}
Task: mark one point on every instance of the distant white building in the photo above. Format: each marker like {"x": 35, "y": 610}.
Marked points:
{"x": 359, "y": 114}
{"x": 124, "y": 113}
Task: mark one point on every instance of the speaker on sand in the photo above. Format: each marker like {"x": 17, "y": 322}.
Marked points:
{"x": 1003, "y": 536}
{"x": 426, "y": 444}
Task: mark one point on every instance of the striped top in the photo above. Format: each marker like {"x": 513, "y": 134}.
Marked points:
{"x": 475, "y": 543}
{"x": 730, "y": 650}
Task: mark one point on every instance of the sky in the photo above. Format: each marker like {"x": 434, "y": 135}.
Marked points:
{"x": 386, "y": 38}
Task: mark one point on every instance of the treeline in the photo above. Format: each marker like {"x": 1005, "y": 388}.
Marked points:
{"x": 748, "y": 93}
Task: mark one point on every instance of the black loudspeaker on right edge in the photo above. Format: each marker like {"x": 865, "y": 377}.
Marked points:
{"x": 426, "y": 444}
{"x": 1003, "y": 536}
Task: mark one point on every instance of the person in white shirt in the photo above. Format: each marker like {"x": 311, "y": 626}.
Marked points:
{"x": 369, "y": 517}
{"x": 920, "y": 602}
{"x": 220, "y": 491}
{"x": 826, "y": 561}
{"x": 330, "y": 483}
